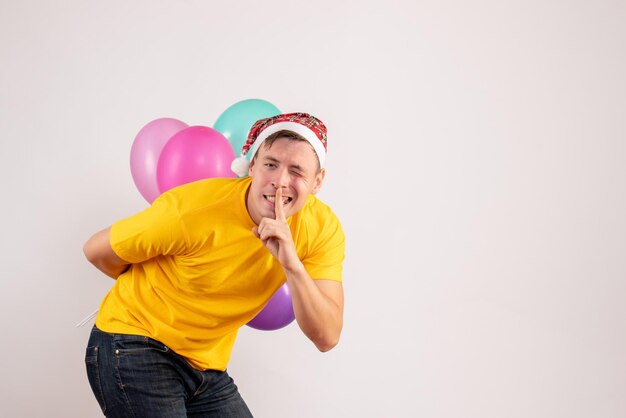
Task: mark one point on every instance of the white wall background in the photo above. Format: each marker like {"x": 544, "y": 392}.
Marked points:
{"x": 477, "y": 161}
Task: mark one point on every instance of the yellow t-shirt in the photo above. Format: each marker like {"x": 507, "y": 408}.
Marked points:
{"x": 198, "y": 271}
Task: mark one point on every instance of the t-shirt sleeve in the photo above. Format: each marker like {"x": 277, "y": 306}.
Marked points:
{"x": 327, "y": 253}
{"x": 155, "y": 231}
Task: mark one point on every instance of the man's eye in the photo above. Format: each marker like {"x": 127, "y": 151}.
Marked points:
{"x": 270, "y": 165}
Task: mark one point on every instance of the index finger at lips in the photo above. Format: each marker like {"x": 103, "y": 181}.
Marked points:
{"x": 278, "y": 205}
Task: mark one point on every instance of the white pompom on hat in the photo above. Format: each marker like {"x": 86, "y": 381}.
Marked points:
{"x": 305, "y": 125}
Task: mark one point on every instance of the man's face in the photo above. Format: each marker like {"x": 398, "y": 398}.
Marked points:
{"x": 290, "y": 165}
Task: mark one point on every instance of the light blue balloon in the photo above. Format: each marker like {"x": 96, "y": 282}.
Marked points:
{"x": 235, "y": 122}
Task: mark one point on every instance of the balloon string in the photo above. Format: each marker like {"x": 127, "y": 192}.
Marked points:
{"x": 87, "y": 319}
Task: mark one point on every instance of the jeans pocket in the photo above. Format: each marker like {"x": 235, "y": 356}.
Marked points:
{"x": 137, "y": 345}
{"x": 93, "y": 375}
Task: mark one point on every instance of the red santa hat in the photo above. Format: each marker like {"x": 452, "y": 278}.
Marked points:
{"x": 305, "y": 125}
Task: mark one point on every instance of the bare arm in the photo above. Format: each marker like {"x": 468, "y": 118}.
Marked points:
{"x": 99, "y": 253}
{"x": 318, "y": 304}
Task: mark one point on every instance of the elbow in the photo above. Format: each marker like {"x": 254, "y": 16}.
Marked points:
{"x": 326, "y": 344}
{"x": 88, "y": 251}
{"x": 325, "y": 348}
{"x": 327, "y": 338}
{"x": 91, "y": 252}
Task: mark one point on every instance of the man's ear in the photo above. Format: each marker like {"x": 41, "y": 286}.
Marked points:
{"x": 319, "y": 179}
{"x": 250, "y": 166}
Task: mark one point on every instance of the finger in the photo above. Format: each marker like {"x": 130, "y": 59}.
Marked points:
{"x": 255, "y": 231}
{"x": 278, "y": 205}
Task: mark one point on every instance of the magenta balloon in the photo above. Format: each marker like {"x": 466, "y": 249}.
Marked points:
{"x": 195, "y": 153}
{"x": 145, "y": 151}
{"x": 278, "y": 313}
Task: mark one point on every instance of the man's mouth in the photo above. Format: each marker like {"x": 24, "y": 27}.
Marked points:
{"x": 286, "y": 199}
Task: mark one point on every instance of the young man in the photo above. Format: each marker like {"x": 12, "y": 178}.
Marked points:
{"x": 201, "y": 262}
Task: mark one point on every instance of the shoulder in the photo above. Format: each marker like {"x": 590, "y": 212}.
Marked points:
{"x": 315, "y": 208}
{"x": 318, "y": 218}
{"x": 212, "y": 185}
{"x": 191, "y": 196}
{"x": 319, "y": 239}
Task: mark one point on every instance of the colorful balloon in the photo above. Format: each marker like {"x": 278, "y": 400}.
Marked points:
{"x": 235, "y": 122}
{"x": 145, "y": 151}
{"x": 195, "y": 153}
{"x": 278, "y": 313}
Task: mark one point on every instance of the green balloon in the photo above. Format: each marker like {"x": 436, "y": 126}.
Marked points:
{"x": 235, "y": 122}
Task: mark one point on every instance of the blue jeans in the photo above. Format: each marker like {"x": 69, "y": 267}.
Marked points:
{"x": 135, "y": 376}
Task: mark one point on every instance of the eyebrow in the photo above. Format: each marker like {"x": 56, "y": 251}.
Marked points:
{"x": 274, "y": 160}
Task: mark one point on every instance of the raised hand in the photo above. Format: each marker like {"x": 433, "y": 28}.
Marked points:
{"x": 276, "y": 235}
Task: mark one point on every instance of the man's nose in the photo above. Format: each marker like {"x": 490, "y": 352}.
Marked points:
{"x": 281, "y": 179}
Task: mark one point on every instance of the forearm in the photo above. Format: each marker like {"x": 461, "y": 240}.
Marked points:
{"x": 317, "y": 304}
{"x": 318, "y": 315}
{"x": 99, "y": 253}
{"x": 111, "y": 269}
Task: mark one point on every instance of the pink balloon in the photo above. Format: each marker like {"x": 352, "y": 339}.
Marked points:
{"x": 145, "y": 151}
{"x": 278, "y": 313}
{"x": 195, "y": 153}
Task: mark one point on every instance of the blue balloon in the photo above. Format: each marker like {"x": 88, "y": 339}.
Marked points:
{"x": 235, "y": 122}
